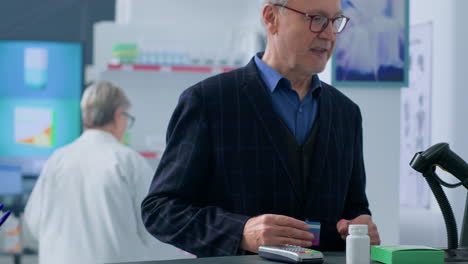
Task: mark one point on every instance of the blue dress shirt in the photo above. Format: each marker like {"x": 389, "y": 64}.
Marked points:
{"x": 298, "y": 115}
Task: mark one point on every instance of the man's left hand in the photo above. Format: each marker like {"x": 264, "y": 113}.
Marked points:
{"x": 342, "y": 227}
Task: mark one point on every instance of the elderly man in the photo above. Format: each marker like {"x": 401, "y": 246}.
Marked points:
{"x": 253, "y": 153}
{"x": 85, "y": 206}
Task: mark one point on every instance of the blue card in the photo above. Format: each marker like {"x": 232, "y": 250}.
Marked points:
{"x": 314, "y": 228}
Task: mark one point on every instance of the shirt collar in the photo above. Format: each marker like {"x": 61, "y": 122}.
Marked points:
{"x": 268, "y": 74}
{"x": 272, "y": 77}
{"x": 99, "y": 134}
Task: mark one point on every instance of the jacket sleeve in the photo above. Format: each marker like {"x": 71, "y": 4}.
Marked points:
{"x": 177, "y": 209}
{"x": 142, "y": 174}
{"x": 356, "y": 199}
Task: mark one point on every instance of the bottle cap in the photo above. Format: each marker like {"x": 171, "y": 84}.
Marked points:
{"x": 358, "y": 229}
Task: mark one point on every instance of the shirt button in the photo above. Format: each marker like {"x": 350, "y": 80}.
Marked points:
{"x": 300, "y": 110}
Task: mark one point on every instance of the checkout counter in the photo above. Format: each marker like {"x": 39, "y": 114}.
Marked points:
{"x": 329, "y": 258}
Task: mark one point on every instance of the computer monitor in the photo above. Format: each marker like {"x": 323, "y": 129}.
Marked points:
{"x": 11, "y": 182}
{"x": 40, "y": 89}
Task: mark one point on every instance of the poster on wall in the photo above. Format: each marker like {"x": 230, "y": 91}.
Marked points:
{"x": 415, "y": 129}
{"x": 373, "y": 48}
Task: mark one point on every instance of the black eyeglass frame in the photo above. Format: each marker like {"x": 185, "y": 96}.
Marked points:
{"x": 131, "y": 119}
{"x": 311, "y": 19}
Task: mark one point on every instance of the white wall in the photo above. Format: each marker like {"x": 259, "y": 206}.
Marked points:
{"x": 381, "y": 124}
{"x": 460, "y": 124}
{"x": 380, "y": 109}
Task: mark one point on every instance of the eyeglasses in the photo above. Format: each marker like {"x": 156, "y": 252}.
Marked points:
{"x": 319, "y": 23}
{"x": 131, "y": 119}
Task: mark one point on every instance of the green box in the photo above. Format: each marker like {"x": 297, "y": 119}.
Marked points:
{"x": 125, "y": 53}
{"x": 407, "y": 255}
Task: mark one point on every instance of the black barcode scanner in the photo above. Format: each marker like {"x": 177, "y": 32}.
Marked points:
{"x": 440, "y": 155}
{"x": 425, "y": 162}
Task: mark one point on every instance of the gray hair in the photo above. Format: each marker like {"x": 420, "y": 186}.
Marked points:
{"x": 277, "y": 2}
{"x": 99, "y": 103}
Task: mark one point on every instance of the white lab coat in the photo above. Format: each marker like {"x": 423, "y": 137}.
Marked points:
{"x": 85, "y": 207}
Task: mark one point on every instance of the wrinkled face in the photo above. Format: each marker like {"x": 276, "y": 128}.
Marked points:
{"x": 298, "y": 47}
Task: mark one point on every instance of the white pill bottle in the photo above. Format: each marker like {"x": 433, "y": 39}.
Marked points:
{"x": 358, "y": 245}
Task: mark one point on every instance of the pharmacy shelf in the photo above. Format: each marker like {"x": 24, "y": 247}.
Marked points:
{"x": 154, "y": 92}
{"x": 166, "y": 68}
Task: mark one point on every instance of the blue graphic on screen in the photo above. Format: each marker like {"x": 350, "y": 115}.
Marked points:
{"x": 40, "y": 90}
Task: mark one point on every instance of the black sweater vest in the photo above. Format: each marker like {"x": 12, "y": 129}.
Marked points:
{"x": 301, "y": 155}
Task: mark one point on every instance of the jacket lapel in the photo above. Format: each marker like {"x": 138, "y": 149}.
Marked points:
{"x": 256, "y": 92}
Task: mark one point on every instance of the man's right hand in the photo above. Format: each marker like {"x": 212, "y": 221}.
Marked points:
{"x": 274, "y": 230}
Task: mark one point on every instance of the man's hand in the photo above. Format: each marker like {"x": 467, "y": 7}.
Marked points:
{"x": 343, "y": 225}
{"x": 274, "y": 230}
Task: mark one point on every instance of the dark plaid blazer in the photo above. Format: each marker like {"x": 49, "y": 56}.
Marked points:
{"x": 226, "y": 161}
